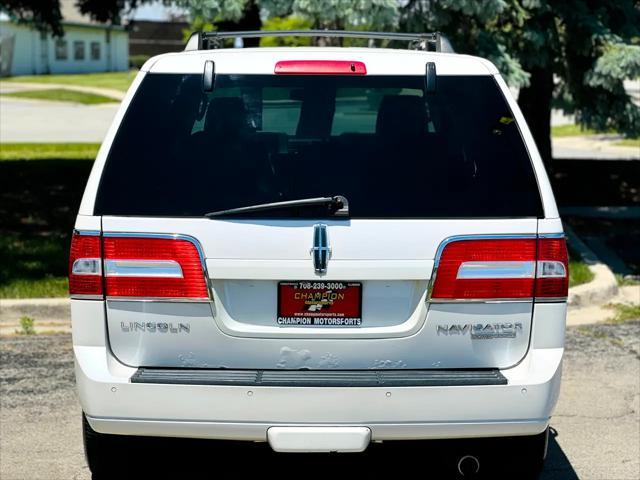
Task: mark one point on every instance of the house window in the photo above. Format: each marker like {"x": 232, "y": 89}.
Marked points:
{"x": 95, "y": 50}
{"x": 61, "y": 50}
{"x": 78, "y": 50}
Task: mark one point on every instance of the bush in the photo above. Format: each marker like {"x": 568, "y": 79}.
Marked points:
{"x": 286, "y": 23}
{"x": 136, "y": 61}
{"x": 26, "y": 326}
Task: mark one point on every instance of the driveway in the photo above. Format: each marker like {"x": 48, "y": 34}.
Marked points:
{"x": 596, "y": 426}
{"x": 23, "y": 120}
{"x": 600, "y": 147}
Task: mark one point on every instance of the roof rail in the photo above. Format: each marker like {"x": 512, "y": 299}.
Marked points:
{"x": 434, "y": 42}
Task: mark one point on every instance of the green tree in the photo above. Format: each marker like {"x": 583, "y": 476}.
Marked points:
{"x": 109, "y": 11}
{"x": 338, "y": 14}
{"x": 43, "y": 14}
{"x": 286, "y": 23}
{"x": 332, "y": 14}
{"x": 226, "y": 15}
{"x": 574, "y": 54}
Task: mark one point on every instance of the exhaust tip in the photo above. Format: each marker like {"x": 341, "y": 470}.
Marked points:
{"x": 468, "y": 466}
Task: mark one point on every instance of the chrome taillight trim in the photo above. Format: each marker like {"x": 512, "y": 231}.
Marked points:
{"x": 80, "y": 296}
{"x": 158, "y": 299}
{"x": 552, "y": 235}
{"x": 482, "y": 300}
{"x": 94, "y": 233}
{"x": 550, "y": 299}
{"x": 497, "y": 269}
{"x": 142, "y": 268}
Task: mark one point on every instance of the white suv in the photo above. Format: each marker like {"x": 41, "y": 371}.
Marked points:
{"x": 319, "y": 248}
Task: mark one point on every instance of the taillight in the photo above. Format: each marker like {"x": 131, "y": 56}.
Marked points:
{"x": 130, "y": 266}
{"x": 506, "y": 268}
{"x": 552, "y": 269}
{"x": 153, "y": 267}
{"x": 85, "y": 265}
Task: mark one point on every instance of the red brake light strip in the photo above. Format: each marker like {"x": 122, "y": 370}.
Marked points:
{"x": 320, "y": 67}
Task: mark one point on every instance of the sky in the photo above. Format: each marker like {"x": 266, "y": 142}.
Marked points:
{"x": 155, "y": 11}
{"x": 150, "y": 11}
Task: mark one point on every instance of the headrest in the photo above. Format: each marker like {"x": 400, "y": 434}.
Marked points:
{"x": 401, "y": 116}
{"x": 226, "y": 116}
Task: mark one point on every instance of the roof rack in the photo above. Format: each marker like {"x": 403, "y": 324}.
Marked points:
{"x": 434, "y": 42}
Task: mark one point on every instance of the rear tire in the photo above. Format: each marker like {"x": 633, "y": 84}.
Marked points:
{"x": 102, "y": 452}
{"x": 529, "y": 454}
{"x": 123, "y": 457}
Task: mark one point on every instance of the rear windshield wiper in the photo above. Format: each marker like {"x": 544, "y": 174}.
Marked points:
{"x": 337, "y": 205}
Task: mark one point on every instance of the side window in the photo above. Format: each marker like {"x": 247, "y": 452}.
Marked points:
{"x": 78, "y": 50}
{"x": 61, "y": 50}
{"x": 95, "y": 50}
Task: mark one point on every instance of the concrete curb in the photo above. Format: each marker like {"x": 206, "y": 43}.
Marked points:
{"x": 50, "y": 314}
{"x": 604, "y": 285}
{"x": 24, "y": 302}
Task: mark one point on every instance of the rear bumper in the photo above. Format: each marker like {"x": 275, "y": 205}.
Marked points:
{"x": 258, "y": 431}
{"x": 115, "y": 405}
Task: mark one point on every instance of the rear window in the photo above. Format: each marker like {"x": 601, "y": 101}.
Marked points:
{"x": 392, "y": 149}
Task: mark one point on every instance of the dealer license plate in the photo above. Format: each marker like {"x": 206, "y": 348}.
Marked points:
{"x": 319, "y": 304}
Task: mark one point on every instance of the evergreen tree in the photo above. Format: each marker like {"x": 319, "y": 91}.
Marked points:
{"x": 573, "y": 54}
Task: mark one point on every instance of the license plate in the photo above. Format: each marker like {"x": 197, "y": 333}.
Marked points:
{"x": 319, "y": 304}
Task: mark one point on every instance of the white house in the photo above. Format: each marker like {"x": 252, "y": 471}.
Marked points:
{"x": 87, "y": 46}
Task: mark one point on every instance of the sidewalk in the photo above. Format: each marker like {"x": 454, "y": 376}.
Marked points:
{"x": 593, "y": 147}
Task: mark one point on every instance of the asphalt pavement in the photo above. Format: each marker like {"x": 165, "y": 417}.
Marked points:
{"x": 595, "y": 436}
{"x": 24, "y": 120}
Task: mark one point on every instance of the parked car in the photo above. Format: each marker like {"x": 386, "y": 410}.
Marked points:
{"x": 319, "y": 248}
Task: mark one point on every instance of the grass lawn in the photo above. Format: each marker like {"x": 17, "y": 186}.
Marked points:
{"x": 577, "y": 130}
{"x": 624, "y": 312}
{"x": 41, "y": 187}
{"x": 114, "y": 80}
{"x": 43, "y": 151}
{"x": 62, "y": 95}
{"x": 579, "y": 273}
{"x": 570, "y": 131}
{"x": 628, "y": 142}
{"x": 626, "y": 282}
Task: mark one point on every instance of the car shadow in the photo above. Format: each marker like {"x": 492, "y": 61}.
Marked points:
{"x": 557, "y": 466}
{"x": 617, "y": 182}
{"x": 437, "y": 460}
